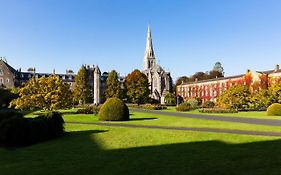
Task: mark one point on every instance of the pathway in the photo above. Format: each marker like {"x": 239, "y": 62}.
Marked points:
{"x": 268, "y": 122}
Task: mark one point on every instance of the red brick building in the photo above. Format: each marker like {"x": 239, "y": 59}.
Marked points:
{"x": 209, "y": 90}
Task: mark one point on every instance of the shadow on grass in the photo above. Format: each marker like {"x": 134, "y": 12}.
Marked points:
{"x": 81, "y": 153}
{"x": 145, "y": 118}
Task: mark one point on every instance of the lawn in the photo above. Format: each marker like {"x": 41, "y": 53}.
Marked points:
{"x": 162, "y": 120}
{"x": 104, "y": 150}
{"x": 251, "y": 114}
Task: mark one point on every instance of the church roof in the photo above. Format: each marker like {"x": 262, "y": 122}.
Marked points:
{"x": 149, "y": 53}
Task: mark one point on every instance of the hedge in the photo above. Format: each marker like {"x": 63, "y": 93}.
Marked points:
{"x": 18, "y": 131}
{"x": 217, "y": 110}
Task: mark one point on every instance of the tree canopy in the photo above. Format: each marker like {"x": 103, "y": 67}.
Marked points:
{"x": 44, "y": 93}
{"x": 81, "y": 90}
{"x": 113, "y": 88}
{"x": 137, "y": 87}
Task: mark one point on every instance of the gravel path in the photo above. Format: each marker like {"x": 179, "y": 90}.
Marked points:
{"x": 267, "y": 122}
{"x": 213, "y": 130}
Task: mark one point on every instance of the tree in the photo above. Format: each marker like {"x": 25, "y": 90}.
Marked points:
{"x": 218, "y": 67}
{"x": 260, "y": 100}
{"x": 236, "y": 97}
{"x": 275, "y": 93}
{"x": 199, "y": 76}
{"x": 113, "y": 88}
{"x": 44, "y": 93}
{"x": 137, "y": 87}
{"x": 215, "y": 74}
{"x": 81, "y": 90}
{"x": 183, "y": 79}
{"x": 170, "y": 98}
{"x": 6, "y": 96}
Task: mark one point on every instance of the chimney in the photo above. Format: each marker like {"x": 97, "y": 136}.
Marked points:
{"x": 277, "y": 67}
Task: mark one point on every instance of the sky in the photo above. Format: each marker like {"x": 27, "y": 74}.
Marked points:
{"x": 188, "y": 36}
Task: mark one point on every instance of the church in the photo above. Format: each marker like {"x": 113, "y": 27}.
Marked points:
{"x": 159, "y": 80}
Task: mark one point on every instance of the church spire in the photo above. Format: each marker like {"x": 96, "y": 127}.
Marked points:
{"x": 149, "y": 57}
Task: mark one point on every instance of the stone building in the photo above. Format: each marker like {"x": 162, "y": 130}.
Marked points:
{"x": 10, "y": 77}
{"x": 160, "y": 81}
{"x": 209, "y": 90}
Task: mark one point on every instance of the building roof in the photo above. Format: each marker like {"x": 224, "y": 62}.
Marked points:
{"x": 214, "y": 79}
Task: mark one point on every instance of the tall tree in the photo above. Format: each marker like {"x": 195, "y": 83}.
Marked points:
{"x": 44, "y": 93}
{"x": 215, "y": 74}
{"x": 218, "y": 67}
{"x": 113, "y": 88}
{"x": 183, "y": 79}
{"x": 235, "y": 97}
{"x": 137, "y": 87}
{"x": 81, "y": 90}
{"x": 199, "y": 76}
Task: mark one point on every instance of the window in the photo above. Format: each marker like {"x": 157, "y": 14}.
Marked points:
{"x": 7, "y": 80}
{"x": 1, "y": 72}
{"x": 1, "y": 80}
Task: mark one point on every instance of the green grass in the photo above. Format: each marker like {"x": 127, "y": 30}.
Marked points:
{"x": 106, "y": 150}
{"x": 89, "y": 149}
{"x": 162, "y": 120}
{"x": 250, "y": 114}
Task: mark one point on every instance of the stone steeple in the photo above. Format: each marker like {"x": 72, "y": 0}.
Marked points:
{"x": 149, "y": 57}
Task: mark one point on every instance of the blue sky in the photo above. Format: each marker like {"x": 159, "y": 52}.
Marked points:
{"x": 188, "y": 36}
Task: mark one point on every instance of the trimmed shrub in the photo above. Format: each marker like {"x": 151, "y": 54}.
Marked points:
{"x": 148, "y": 106}
{"x": 89, "y": 110}
{"x": 4, "y": 115}
{"x": 218, "y": 110}
{"x": 208, "y": 104}
{"x": 17, "y": 132}
{"x": 184, "y": 107}
{"x": 114, "y": 109}
{"x": 193, "y": 103}
{"x": 274, "y": 109}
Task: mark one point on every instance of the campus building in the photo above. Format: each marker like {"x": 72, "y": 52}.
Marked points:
{"x": 209, "y": 90}
{"x": 10, "y": 77}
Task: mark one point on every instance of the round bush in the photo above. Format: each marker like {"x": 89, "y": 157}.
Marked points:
{"x": 193, "y": 103}
{"x": 184, "y": 107}
{"x": 274, "y": 109}
{"x": 208, "y": 104}
{"x": 114, "y": 109}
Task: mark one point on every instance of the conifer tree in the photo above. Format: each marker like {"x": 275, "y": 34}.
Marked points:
{"x": 81, "y": 90}
{"x": 113, "y": 88}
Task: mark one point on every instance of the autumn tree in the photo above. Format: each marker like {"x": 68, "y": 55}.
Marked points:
{"x": 137, "y": 87}
{"x": 113, "y": 88}
{"x": 235, "y": 97}
{"x": 81, "y": 90}
{"x": 44, "y": 93}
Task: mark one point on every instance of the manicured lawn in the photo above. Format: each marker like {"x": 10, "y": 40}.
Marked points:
{"x": 103, "y": 150}
{"x": 251, "y": 114}
{"x": 89, "y": 149}
{"x": 162, "y": 120}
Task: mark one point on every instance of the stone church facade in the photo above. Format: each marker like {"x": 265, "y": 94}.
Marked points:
{"x": 159, "y": 80}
